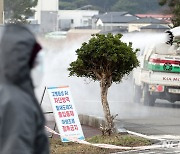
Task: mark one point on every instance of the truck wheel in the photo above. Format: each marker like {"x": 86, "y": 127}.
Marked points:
{"x": 137, "y": 94}
{"x": 148, "y": 99}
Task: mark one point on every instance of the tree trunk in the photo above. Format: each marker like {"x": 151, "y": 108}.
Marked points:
{"x": 105, "y": 84}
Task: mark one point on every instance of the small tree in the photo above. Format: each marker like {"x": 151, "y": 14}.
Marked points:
{"x": 18, "y": 11}
{"x": 105, "y": 58}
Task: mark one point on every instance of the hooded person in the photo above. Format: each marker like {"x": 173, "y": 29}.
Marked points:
{"x": 21, "y": 118}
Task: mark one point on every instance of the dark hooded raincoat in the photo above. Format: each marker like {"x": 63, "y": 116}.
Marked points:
{"x": 21, "y": 118}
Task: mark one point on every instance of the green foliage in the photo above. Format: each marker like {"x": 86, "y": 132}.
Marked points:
{"x": 174, "y": 6}
{"x": 104, "y": 54}
{"x": 67, "y": 5}
{"x": 120, "y": 140}
{"x": 19, "y": 11}
{"x": 162, "y": 2}
{"x": 132, "y": 6}
{"x": 137, "y": 6}
{"x": 176, "y": 15}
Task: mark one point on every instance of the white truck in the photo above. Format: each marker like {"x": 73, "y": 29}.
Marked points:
{"x": 158, "y": 76}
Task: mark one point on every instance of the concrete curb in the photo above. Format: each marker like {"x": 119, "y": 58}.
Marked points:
{"x": 91, "y": 120}
{"x": 96, "y": 122}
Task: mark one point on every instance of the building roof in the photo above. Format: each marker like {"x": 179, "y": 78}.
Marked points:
{"x": 110, "y": 14}
{"x": 115, "y": 13}
{"x": 166, "y": 17}
{"x": 154, "y": 15}
{"x": 155, "y": 26}
{"x": 125, "y": 17}
{"x": 115, "y": 19}
{"x": 150, "y": 20}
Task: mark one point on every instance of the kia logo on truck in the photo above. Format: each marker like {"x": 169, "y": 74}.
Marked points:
{"x": 171, "y": 79}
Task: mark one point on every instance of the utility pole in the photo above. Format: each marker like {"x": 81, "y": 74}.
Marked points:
{"x": 1, "y": 11}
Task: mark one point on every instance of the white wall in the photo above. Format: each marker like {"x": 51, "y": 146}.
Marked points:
{"x": 80, "y": 17}
{"x": 45, "y": 5}
{"x": 49, "y": 5}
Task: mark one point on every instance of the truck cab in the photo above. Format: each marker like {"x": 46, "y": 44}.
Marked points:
{"x": 158, "y": 76}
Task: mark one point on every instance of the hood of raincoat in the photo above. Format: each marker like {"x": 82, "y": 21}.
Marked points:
{"x": 16, "y": 48}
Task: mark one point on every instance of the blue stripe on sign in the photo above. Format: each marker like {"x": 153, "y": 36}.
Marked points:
{"x": 57, "y": 87}
{"x": 81, "y": 138}
{"x": 52, "y": 87}
{"x": 65, "y": 140}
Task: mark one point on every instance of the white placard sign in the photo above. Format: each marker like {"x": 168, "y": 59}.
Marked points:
{"x": 65, "y": 113}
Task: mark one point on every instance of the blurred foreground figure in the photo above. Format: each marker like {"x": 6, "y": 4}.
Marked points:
{"x": 21, "y": 118}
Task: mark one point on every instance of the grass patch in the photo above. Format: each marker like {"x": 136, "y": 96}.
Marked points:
{"x": 120, "y": 140}
{"x": 57, "y": 147}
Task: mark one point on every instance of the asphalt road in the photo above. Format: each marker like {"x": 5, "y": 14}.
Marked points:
{"x": 162, "y": 119}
